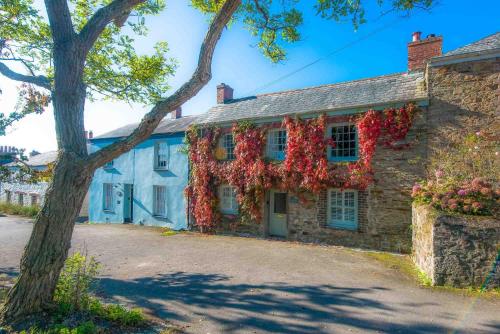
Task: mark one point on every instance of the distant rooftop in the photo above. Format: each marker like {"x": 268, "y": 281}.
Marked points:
{"x": 167, "y": 125}
{"x": 488, "y": 43}
{"x": 39, "y": 160}
{"x": 387, "y": 89}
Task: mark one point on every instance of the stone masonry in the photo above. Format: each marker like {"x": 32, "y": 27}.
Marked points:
{"x": 456, "y": 250}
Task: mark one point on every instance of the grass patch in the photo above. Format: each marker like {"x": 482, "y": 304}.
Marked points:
{"x": 405, "y": 265}
{"x": 167, "y": 232}
{"x": 19, "y": 210}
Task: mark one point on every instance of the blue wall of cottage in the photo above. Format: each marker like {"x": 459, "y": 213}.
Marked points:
{"x": 136, "y": 168}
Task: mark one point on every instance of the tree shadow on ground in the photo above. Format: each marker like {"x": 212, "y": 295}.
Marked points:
{"x": 270, "y": 307}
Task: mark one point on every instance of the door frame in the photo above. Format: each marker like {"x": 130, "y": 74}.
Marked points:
{"x": 270, "y": 201}
{"x": 128, "y": 191}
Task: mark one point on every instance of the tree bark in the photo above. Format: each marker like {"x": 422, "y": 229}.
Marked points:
{"x": 50, "y": 240}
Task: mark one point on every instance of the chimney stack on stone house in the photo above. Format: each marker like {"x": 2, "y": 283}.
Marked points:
{"x": 224, "y": 93}
{"x": 177, "y": 113}
{"x": 420, "y": 51}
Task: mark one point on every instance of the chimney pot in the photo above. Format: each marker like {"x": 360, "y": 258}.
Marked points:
{"x": 420, "y": 51}
{"x": 224, "y": 93}
{"x": 91, "y": 134}
{"x": 177, "y": 113}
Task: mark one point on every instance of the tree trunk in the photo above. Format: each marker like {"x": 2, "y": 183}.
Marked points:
{"x": 50, "y": 240}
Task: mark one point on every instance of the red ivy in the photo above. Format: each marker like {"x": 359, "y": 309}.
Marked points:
{"x": 305, "y": 168}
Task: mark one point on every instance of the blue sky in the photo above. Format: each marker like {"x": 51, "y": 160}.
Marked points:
{"x": 242, "y": 66}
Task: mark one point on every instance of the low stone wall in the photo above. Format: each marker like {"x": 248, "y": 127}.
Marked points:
{"x": 459, "y": 251}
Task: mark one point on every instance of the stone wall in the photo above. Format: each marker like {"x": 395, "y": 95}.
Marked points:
{"x": 456, "y": 250}
{"x": 464, "y": 98}
{"x": 15, "y": 189}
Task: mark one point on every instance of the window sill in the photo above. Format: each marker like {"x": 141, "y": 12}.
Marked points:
{"x": 160, "y": 217}
{"x": 340, "y": 228}
{"x": 160, "y": 169}
{"x": 354, "y": 159}
{"x": 108, "y": 211}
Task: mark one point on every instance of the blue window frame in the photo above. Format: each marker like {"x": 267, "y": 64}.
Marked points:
{"x": 161, "y": 155}
{"x": 343, "y": 209}
{"x": 109, "y": 165}
{"x": 108, "y": 197}
{"x": 345, "y": 137}
{"x": 160, "y": 201}
{"x": 276, "y": 144}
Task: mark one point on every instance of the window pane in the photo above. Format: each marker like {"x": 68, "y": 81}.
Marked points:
{"x": 280, "y": 203}
{"x": 343, "y": 209}
{"x": 160, "y": 201}
{"x": 162, "y": 155}
{"x": 228, "y": 145}
{"x": 344, "y": 137}
{"x": 108, "y": 196}
{"x": 228, "y": 202}
{"x": 276, "y": 144}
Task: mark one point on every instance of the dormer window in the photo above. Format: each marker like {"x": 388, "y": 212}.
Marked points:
{"x": 276, "y": 144}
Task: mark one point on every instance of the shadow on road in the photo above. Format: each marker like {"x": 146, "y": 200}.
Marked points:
{"x": 276, "y": 307}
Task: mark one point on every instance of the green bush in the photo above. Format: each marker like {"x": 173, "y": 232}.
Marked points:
{"x": 20, "y": 210}
{"x": 117, "y": 314}
{"x": 84, "y": 328}
{"x": 73, "y": 288}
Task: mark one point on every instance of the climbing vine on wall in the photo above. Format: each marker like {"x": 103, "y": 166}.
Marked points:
{"x": 305, "y": 169}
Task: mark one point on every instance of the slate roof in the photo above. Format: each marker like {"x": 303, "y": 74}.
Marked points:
{"x": 394, "y": 88}
{"x": 42, "y": 159}
{"x": 485, "y": 44}
{"x": 167, "y": 125}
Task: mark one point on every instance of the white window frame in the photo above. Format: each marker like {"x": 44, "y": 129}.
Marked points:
{"x": 160, "y": 208}
{"x": 228, "y": 203}
{"x": 228, "y": 146}
{"x": 330, "y": 150}
{"x": 274, "y": 136}
{"x": 161, "y": 158}
{"x": 108, "y": 198}
{"x": 344, "y": 208}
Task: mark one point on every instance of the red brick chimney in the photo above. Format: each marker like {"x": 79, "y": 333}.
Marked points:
{"x": 421, "y": 50}
{"x": 224, "y": 93}
{"x": 177, "y": 113}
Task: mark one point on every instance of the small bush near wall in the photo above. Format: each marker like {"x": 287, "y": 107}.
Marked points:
{"x": 456, "y": 250}
{"x": 20, "y": 210}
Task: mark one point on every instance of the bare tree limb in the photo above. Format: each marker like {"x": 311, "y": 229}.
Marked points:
{"x": 198, "y": 80}
{"x": 38, "y": 80}
{"x": 117, "y": 11}
{"x": 60, "y": 20}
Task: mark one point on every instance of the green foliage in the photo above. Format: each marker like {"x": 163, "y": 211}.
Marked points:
{"x": 85, "y": 328}
{"x": 117, "y": 314}
{"x": 75, "y": 281}
{"x": 19, "y": 210}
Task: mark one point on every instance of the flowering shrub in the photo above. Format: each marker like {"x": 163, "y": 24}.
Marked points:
{"x": 304, "y": 170}
{"x": 463, "y": 177}
{"x": 476, "y": 197}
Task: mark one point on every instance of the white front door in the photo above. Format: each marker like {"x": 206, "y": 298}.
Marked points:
{"x": 278, "y": 213}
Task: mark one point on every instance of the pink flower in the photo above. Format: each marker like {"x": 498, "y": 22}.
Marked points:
{"x": 476, "y": 205}
{"x": 439, "y": 173}
{"x": 462, "y": 192}
{"x": 416, "y": 188}
{"x": 452, "y": 201}
{"x": 478, "y": 133}
{"x": 453, "y": 206}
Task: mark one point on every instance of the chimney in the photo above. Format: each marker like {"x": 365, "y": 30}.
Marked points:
{"x": 91, "y": 134}
{"x": 177, "y": 113}
{"x": 224, "y": 93}
{"x": 420, "y": 51}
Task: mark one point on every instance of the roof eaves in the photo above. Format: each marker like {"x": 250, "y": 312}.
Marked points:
{"x": 464, "y": 57}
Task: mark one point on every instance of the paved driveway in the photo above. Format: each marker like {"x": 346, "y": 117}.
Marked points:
{"x": 217, "y": 284}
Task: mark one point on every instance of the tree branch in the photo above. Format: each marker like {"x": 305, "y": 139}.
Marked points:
{"x": 38, "y": 80}
{"x": 115, "y": 11}
{"x": 198, "y": 80}
{"x": 61, "y": 25}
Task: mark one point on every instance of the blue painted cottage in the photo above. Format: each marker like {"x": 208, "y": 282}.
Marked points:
{"x": 145, "y": 185}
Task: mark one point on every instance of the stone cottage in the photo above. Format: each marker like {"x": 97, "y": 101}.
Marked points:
{"x": 455, "y": 92}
